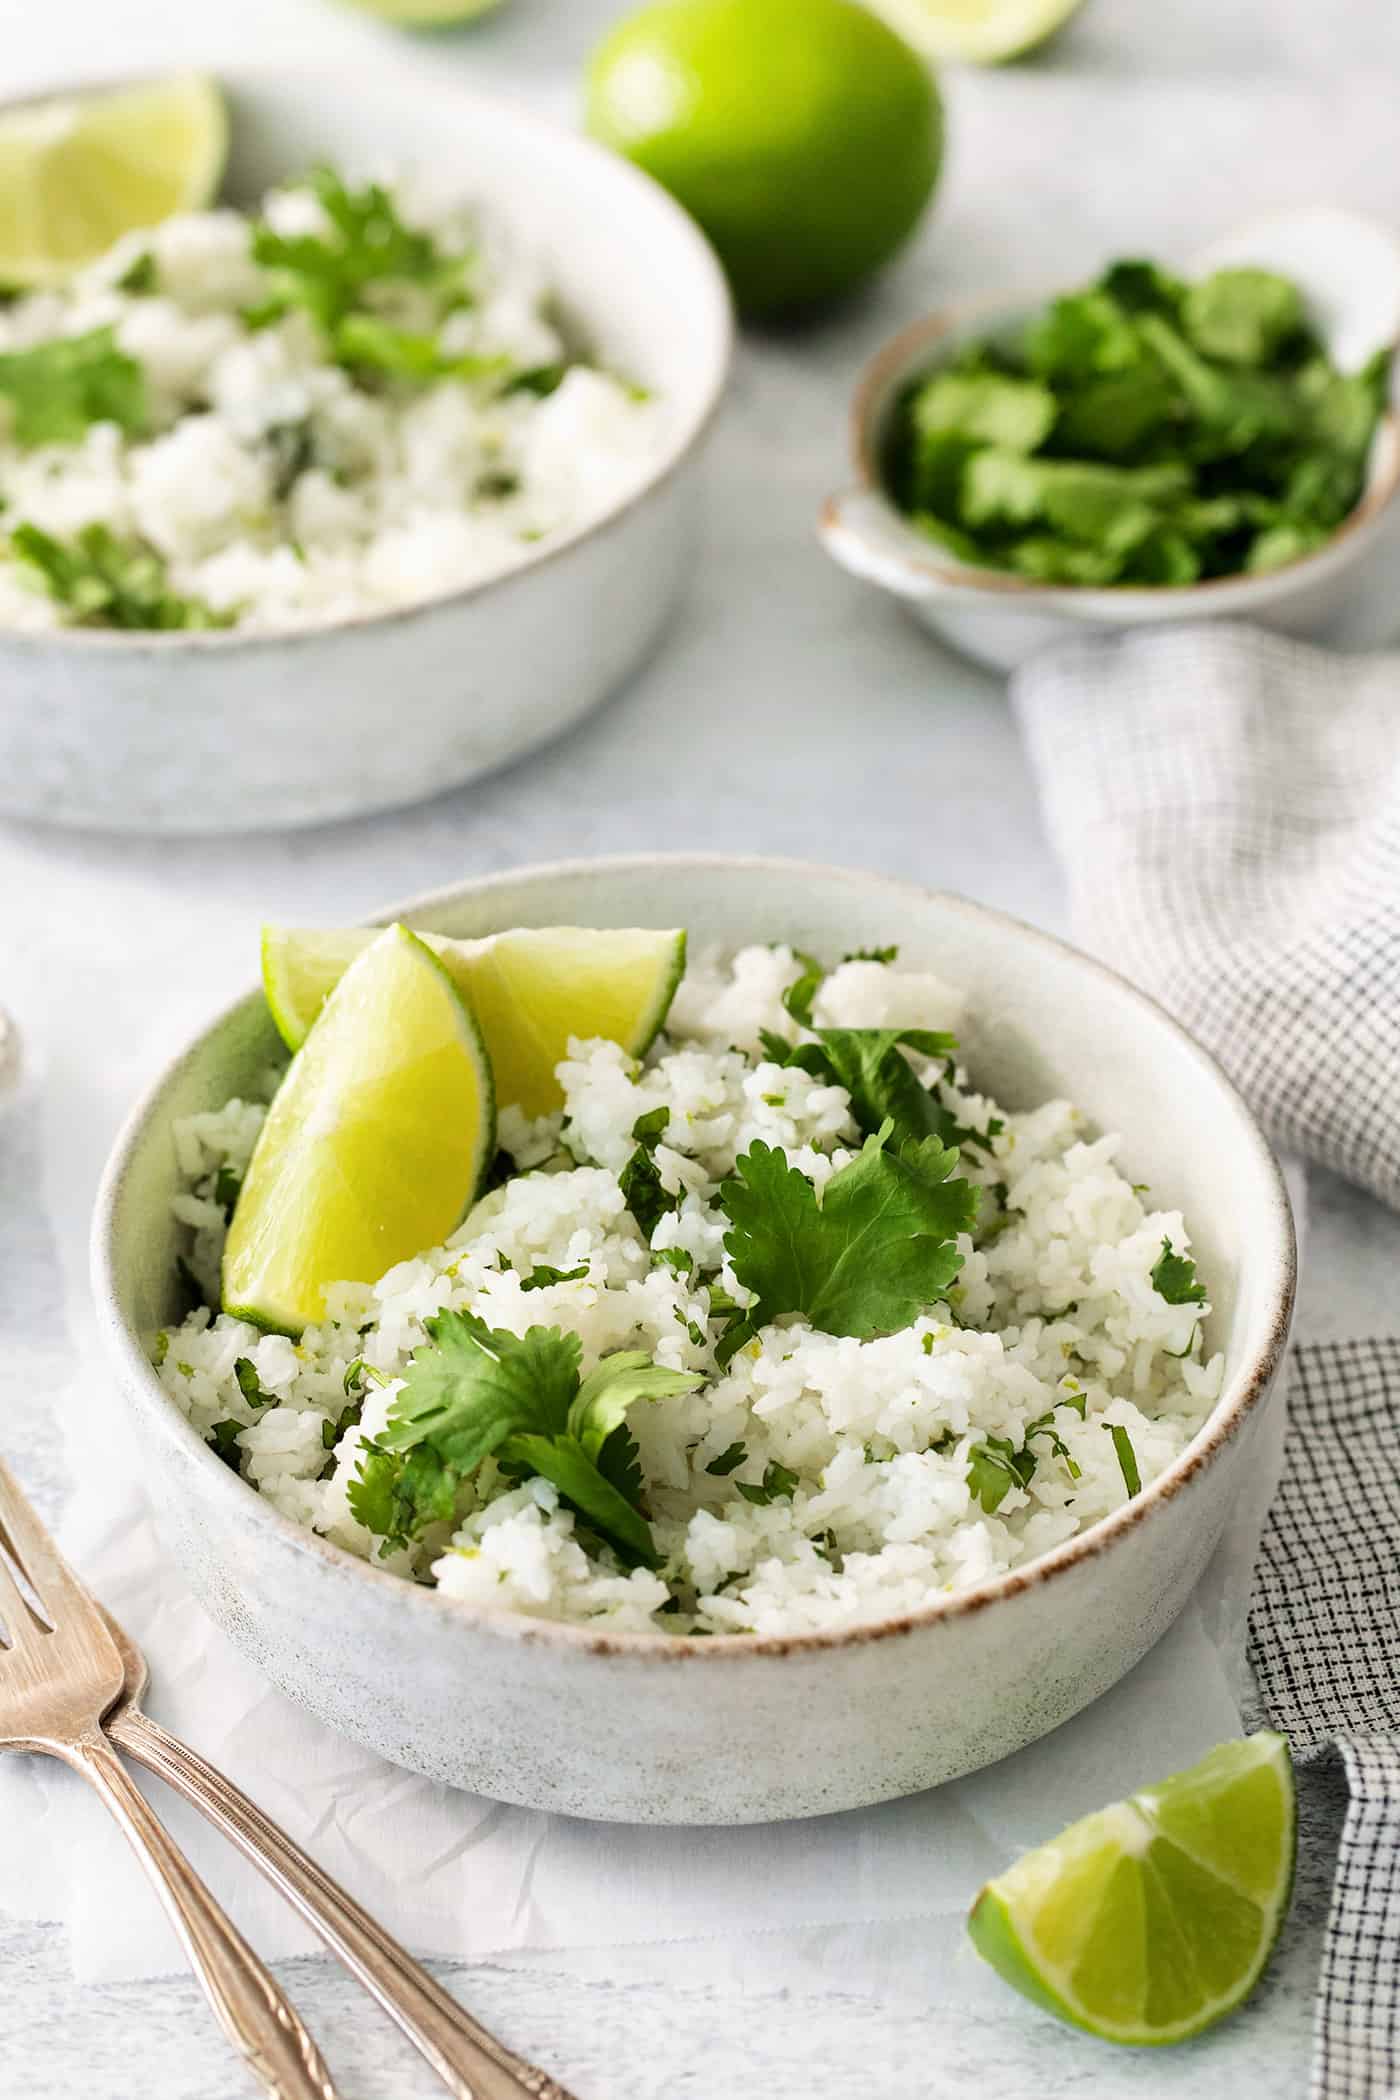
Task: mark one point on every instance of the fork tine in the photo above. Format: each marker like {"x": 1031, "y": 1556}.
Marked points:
{"x": 19, "y": 1621}
{"x": 34, "y": 1552}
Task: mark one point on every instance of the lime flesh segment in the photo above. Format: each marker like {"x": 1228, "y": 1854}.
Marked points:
{"x": 375, "y": 1145}
{"x": 79, "y": 171}
{"x": 1150, "y": 1921}
{"x": 531, "y": 990}
{"x": 976, "y": 32}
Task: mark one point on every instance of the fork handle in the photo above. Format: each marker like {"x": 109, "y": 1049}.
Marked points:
{"x": 471, "y": 2063}
{"x": 246, "y": 2001}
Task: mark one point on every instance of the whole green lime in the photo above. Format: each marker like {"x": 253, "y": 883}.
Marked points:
{"x": 803, "y": 135}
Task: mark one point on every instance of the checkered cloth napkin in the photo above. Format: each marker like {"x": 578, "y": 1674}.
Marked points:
{"x": 1227, "y": 808}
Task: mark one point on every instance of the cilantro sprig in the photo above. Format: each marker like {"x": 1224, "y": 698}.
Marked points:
{"x": 865, "y": 1257}
{"x": 473, "y": 1392}
{"x": 106, "y": 581}
{"x": 1174, "y": 1278}
{"x": 56, "y": 390}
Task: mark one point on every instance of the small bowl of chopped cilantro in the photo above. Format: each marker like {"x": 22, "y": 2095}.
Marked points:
{"x": 1153, "y": 445}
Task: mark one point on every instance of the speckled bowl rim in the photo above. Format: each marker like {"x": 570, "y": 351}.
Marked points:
{"x": 1244, "y": 1389}
{"x": 680, "y": 448}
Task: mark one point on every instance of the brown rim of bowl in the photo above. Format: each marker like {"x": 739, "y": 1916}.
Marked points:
{"x": 1250, "y": 1382}
{"x": 680, "y": 450}
{"x": 898, "y": 358}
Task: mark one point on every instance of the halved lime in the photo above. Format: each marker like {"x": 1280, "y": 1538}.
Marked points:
{"x": 530, "y": 989}
{"x": 975, "y": 32}
{"x": 375, "y": 1144}
{"x": 81, "y": 170}
{"x": 1153, "y": 1919}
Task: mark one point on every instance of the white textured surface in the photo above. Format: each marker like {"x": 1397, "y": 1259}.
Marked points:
{"x": 1144, "y": 126}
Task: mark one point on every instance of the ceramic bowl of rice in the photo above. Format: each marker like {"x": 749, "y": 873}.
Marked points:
{"x": 898, "y": 1522}
{"x": 365, "y": 479}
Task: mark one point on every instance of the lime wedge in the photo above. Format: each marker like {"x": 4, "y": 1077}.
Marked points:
{"x": 79, "y": 171}
{"x": 425, "y": 14}
{"x": 1153, "y": 1919}
{"x": 530, "y": 989}
{"x": 976, "y": 32}
{"x": 375, "y": 1144}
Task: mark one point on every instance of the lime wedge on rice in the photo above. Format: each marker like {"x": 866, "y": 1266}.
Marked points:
{"x": 530, "y": 989}
{"x": 975, "y": 32}
{"x": 376, "y": 1142}
{"x": 79, "y": 171}
{"x": 1153, "y": 1919}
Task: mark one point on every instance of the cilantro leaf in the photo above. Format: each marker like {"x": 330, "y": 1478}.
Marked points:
{"x": 777, "y": 1484}
{"x": 798, "y": 997}
{"x": 1243, "y": 316}
{"x": 224, "y": 1438}
{"x": 1174, "y": 1278}
{"x": 471, "y": 1386}
{"x": 1014, "y": 413}
{"x": 140, "y": 275}
{"x": 366, "y": 244}
{"x": 1127, "y": 1458}
{"x": 58, "y": 389}
{"x": 248, "y": 1384}
{"x": 105, "y": 581}
{"x": 473, "y": 1392}
{"x": 728, "y": 1461}
{"x": 643, "y": 1190}
{"x": 868, "y": 1256}
{"x": 541, "y": 1276}
{"x": 994, "y": 1467}
{"x": 366, "y": 343}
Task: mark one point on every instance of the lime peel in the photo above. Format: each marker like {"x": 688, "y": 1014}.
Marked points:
{"x": 1149, "y": 1921}
{"x": 976, "y": 32}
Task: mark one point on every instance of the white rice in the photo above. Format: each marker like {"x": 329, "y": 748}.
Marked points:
{"x": 1054, "y": 1310}
{"x": 278, "y": 487}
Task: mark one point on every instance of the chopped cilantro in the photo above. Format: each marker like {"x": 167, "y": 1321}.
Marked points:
{"x": 332, "y": 1430}
{"x": 58, "y": 389}
{"x": 249, "y": 1385}
{"x": 105, "y": 581}
{"x": 358, "y": 1374}
{"x": 798, "y": 997}
{"x": 875, "y": 955}
{"x": 674, "y": 1258}
{"x": 1141, "y": 431}
{"x": 542, "y": 1276}
{"x": 1127, "y": 1457}
{"x": 1174, "y": 1278}
{"x": 728, "y": 1461}
{"x": 777, "y": 1484}
{"x": 226, "y": 1187}
{"x": 140, "y": 275}
{"x": 643, "y": 1191}
{"x": 995, "y": 1467}
{"x": 1044, "y": 1425}
{"x": 224, "y": 1439}
{"x": 365, "y": 244}
{"x": 473, "y": 1392}
{"x": 865, "y": 1258}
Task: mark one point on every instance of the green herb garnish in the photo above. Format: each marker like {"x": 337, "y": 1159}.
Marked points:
{"x": 1127, "y": 1457}
{"x": 249, "y": 1385}
{"x": 473, "y": 1392}
{"x": 1144, "y": 431}
{"x": 1174, "y": 1278}
{"x": 728, "y": 1461}
{"x": 864, "y": 1258}
{"x": 777, "y": 1483}
{"x": 104, "y": 581}
{"x": 58, "y": 389}
{"x": 542, "y": 1276}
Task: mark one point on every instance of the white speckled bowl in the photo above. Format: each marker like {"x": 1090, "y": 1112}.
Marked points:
{"x": 234, "y": 732}
{"x": 1349, "y": 269}
{"x": 646, "y": 1728}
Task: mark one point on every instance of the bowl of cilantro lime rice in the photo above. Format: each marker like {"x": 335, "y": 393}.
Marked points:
{"x": 693, "y": 1340}
{"x": 349, "y": 456}
{"x": 1160, "y": 443}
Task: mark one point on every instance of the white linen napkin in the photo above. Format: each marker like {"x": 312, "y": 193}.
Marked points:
{"x": 105, "y": 986}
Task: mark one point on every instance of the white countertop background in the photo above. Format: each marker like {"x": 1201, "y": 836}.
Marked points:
{"x": 790, "y": 712}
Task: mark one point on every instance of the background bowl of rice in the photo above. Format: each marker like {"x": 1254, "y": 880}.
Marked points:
{"x": 739, "y": 1728}
{"x": 243, "y": 730}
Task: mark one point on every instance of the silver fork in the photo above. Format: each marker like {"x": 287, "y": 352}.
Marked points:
{"x": 472, "y": 2064}
{"x": 60, "y": 1672}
